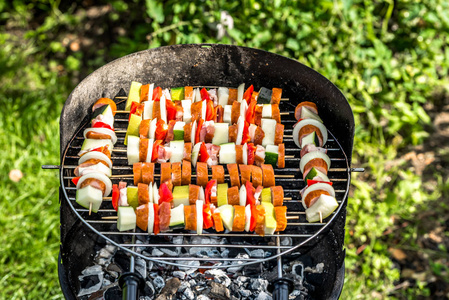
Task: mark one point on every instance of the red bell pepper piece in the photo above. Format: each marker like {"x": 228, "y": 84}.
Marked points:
{"x": 251, "y": 153}
{"x": 75, "y": 180}
{"x": 311, "y": 182}
{"x": 115, "y": 196}
{"x": 203, "y": 156}
{"x": 99, "y": 124}
{"x": 171, "y": 110}
{"x": 248, "y": 93}
{"x": 154, "y": 154}
{"x": 199, "y": 124}
{"x": 161, "y": 130}
{"x": 157, "y": 93}
{"x": 252, "y": 223}
{"x": 207, "y": 217}
{"x": 204, "y": 94}
{"x": 207, "y": 191}
{"x": 156, "y": 228}
{"x": 250, "y": 193}
{"x": 245, "y": 135}
{"x": 210, "y": 111}
{"x": 133, "y": 109}
{"x": 251, "y": 112}
{"x": 165, "y": 195}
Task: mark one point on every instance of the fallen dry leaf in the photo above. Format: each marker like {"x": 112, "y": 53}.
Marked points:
{"x": 15, "y": 175}
{"x": 398, "y": 254}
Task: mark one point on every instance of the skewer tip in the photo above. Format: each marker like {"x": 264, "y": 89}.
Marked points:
{"x": 321, "y": 216}
{"x": 90, "y": 208}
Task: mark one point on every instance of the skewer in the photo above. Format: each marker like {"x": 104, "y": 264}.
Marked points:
{"x": 194, "y": 176}
{"x": 125, "y": 151}
{"x": 321, "y": 217}
{"x": 116, "y": 218}
{"x": 90, "y": 208}
{"x": 285, "y": 198}
{"x": 126, "y": 97}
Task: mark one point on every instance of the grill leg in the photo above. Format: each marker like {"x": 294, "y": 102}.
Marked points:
{"x": 282, "y": 287}
{"x": 131, "y": 283}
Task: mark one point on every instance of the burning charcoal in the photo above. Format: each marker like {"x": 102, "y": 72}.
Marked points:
{"x": 245, "y": 293}
{"x": 203, "y": 252}
{"x": 193, "y": 263}
{"x": 158, "y": 283}
{"x": 189, "y": 294}
{"x": 171, "y": 252}
{"x": 149, "y": 289}
{"x": 252, "y": 269}
{"x": 113, "y": 293}
{"x": 121, "y": 259}
{"x": 263, "y": 296}
{"x": 241, "y": 280}
{"x": 258, "y": 284}
{"x": 219, "y": 291}
{"x": 179, "y": 274}
{"x": 258, "y": 253}
{"x": 184, "y": 285}
{"x": 198, "y": 240}
{"x": 178, "y": 240}
{"x": 106, "y": 282}
{"x": 220, "y": 276}
{"x": 113, "y": 270}
{"x": 141, "y": 266}
{"x": 225, "y": 253}
{"x": 91, "y": 280}
{"x": 157, "y": 252}
{"x": 286, "y": 241}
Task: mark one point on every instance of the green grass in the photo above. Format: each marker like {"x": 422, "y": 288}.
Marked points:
{"x": 389, "y": 58}
{"x": 29, "y": 209}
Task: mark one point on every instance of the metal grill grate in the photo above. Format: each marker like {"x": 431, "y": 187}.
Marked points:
{"x": 299, "y": 232}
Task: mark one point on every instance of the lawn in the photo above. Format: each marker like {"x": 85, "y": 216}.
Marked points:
{"x": 390, "y": 59}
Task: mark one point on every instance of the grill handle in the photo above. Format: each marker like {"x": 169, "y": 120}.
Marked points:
{"x": 131, "y": 283}
{"x": 281, "y": 288}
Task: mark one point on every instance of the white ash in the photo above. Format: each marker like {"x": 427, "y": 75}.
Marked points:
{"x": 188, "y": 293}
{"x": 258, "y": 253}
{"x": 171, "y": 252}
{"x": 263, "y": 296}
{"x": 158, "y": 283}
{"x": 141, "y": 266}
{"x": 318, "y": 268}
{"x": 179, "y": 274}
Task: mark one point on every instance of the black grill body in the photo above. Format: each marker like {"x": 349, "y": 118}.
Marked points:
{"x": 209, "y": 65}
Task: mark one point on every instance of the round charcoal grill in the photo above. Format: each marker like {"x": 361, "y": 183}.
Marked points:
{"x": 227, "y": 66}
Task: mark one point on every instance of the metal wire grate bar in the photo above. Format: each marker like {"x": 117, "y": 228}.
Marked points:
{"x": 299, "y": 231}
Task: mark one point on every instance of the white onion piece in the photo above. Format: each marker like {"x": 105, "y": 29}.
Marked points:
{"x": 95, "y": 155}
{"x": 152, "y": 130}
{"x": 316, "y": 187}
{"x": 240, "y": 92}
{"x": 192, "y": 133}
{"x": 150, "y": 193}
{"x": 148, "y": 110}
{"x": 163, "y": 108}
{"x": 245, "y": 154}
{"x": 150, "y": 218}
{"x": 202, "y": 195}
{"x": 95, "y": 168}
{"x": 155, "y": 194}
{"x": 243, "y": 109}
{"x": 98, "y": 176}
{"x": 247, "y": 217}
{"x": 102, "y": 131}
{"x": 242, "y": 195}
{"x": 199, "y": 216}
{"x": 241, "y": 126}
{"x": 304, "y": 122}
{"x": 312, "y": 155}
{"x": 203, "y": 110}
